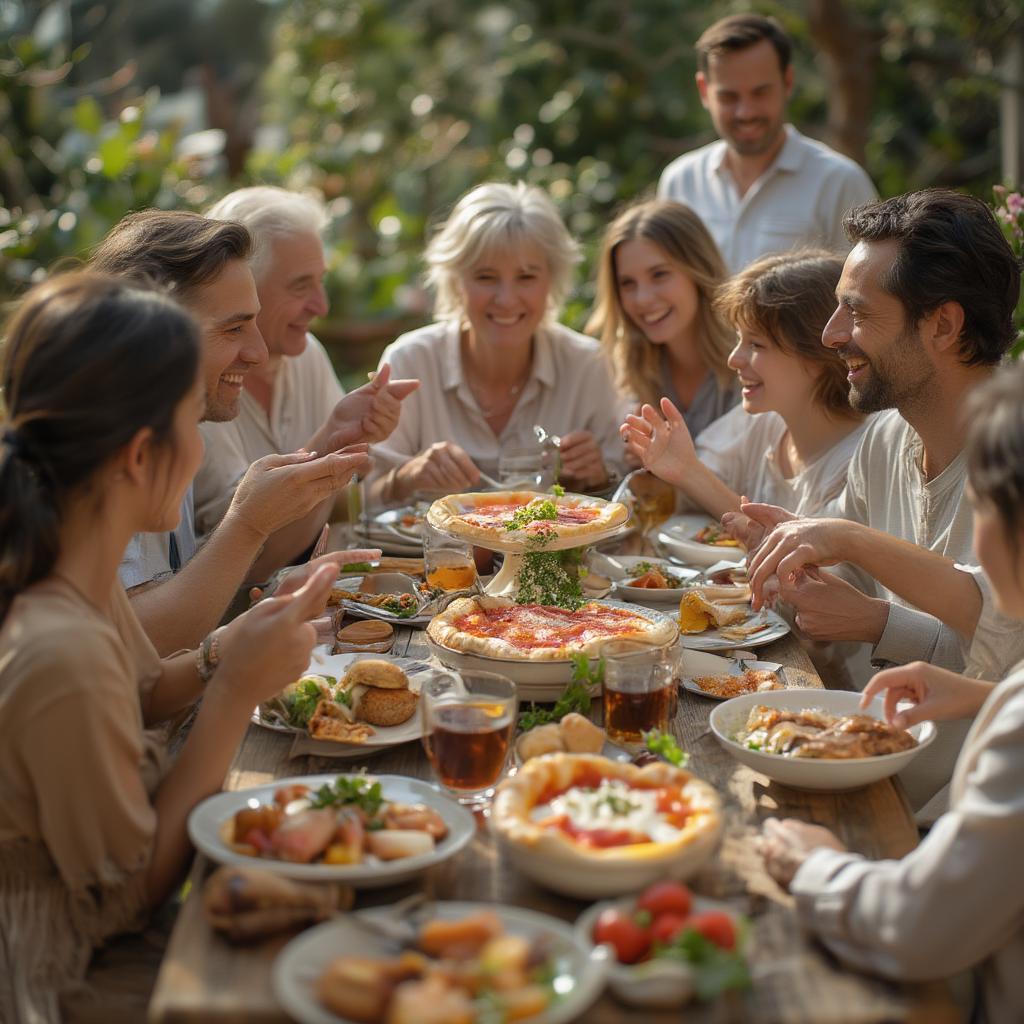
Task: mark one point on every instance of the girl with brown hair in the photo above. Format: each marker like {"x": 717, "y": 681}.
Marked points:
{"x": 658, "y": 272}
{"x": 804, "y": 431}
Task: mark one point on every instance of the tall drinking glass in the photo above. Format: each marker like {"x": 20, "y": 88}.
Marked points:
{"x": 468, "y": 721}
{"x": 639, "y": 691}
{"x": 525, "y": 469}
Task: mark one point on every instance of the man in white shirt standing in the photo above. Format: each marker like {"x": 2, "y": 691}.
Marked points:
{"x": 762, "y": 187}
{"x": 292, "y": 400}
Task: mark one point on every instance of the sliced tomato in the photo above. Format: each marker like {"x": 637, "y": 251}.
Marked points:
{"x": 664, "y": 898}
{"x": 631, "y": 940}
{"x": 667, "y": 926}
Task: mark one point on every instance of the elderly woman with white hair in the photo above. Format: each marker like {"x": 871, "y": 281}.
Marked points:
{"x": 497, "y": 362}
{"x": 293, "y": 400}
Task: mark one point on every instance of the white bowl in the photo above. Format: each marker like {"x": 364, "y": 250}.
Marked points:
{"x": 550, "y": 859}
{"x": 580, "y": 967}
{"x": 677, "y": 534}
{"x": 729, "y": 718}
{"x": 660, "y": 983}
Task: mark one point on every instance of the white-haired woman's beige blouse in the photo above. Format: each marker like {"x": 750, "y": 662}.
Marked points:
{"x": 76, "y": 771}
{"x": 569, "y": 388}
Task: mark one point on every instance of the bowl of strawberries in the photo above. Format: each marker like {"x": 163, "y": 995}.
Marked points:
{"x": 668, "y": 946}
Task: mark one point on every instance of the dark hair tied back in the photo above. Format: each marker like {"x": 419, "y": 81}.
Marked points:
{"x": 88, "y": 361}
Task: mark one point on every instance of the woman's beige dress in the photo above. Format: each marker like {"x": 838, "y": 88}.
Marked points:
{"x": 77, "y": 771}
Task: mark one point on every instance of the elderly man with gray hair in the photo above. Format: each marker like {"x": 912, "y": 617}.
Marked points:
{"x": 292, "y": 401}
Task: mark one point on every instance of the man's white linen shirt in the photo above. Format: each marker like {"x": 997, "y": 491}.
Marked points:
{"x": 148, "y": 555}
{"x": 569, "y": 388}
{"x": 799, "y": 200}
{"x": 305, "y": 392}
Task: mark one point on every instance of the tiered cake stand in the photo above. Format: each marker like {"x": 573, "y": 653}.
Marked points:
{"x": 536, "y": 680}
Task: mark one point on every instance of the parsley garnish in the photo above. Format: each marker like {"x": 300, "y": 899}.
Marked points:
{"x": 347, "y": 789}
{"x": 301, "y": 702}
{"x": 343, "y": 697}
{"x": 665, "y": 746}
{"x": 536, "y": 511}
{"x": 558, "y": 490}
{"x": 356, "y": 567}
{"x": 575, "y": 697}
{"x": 716, "y": 970}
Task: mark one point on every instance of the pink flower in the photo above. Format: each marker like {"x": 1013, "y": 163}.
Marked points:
{"x": 1015, "y": 202}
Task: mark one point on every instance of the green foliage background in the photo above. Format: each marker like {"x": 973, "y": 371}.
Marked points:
{"x": 393, "y": 108}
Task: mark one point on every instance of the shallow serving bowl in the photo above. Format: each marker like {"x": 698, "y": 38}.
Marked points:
{"x": 730, "y": 717}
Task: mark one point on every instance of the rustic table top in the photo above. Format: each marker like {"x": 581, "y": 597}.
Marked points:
{"x": 203, "y": 978}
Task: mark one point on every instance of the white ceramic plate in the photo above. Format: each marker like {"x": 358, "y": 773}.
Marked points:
{"x": 730, "y": 668}
{"x": 775, "y": 627}
{"x": 393, "y": 520}
{"x": 730, "y": 717}
{"x": 368, "y": 611}
{"x": 644, "y": 595}
{"x": 388, "y": 539}
{"x": 580, "y": 968}
{"x": 677, "y": 537}
{"x": 383, "y": 737}
{"x": 535, "y": 680}
{"x": 205, "y": 821}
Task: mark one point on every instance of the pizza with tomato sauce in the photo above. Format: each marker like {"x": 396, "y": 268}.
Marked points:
{"x": 519, "y": 516}
{"x": 598, "y": 809}
{"x": 498, "y": 628}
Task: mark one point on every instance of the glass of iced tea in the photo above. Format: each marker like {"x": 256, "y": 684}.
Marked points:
{"x": 448, "y": 563}
{"x": 653, "y": 499}
{"x": 639, "y": 691}
{"x": 468, "y": 721}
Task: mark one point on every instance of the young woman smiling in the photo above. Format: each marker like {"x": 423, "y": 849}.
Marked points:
{"x": 100, "y": 439}
{"x": 659, "y": 269}
{"x": 497, "y": 362}
{"x": 804, "y": 431}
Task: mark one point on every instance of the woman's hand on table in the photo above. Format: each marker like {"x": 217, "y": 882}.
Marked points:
{"x": 581, "y": 461}
{"x": 662, "y": 441}
{"x": 443, "y": 468}
{"x": 936, "y": 694}
{"x": 269, "y": 646}
{"x": 785, "y": 844}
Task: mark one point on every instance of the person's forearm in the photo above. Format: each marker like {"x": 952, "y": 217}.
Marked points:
{"x": 707, "y": 490}
{"x": 285, "y": 545}
{"x": 177, "y": 614}
{"x": 176, "y": 689}
{"x": 198, "y": 772}
{"x": 922, "y": 578}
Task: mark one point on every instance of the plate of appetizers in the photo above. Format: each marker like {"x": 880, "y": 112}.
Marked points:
{"x": 724, "y": 678}
{"x": 816, "y": 739}
{"x": 643, "y": 579}
{"x": 373, "y": 966}
{"x": 355, "y": 704}
{"x": 698, "y": 540}
{"x": 369, "y": 831}
{"x": 706, "y": 623}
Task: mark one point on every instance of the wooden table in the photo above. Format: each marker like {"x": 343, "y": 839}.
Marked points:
{"x": 203, "y": 978}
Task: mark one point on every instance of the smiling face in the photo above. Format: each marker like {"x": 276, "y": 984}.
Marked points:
{"x": 887, "y": 366}
{"x": 291, "y": 292}
{"x": 745, "y": 92}
{"x": 505, "y": 295}
{"x": 657, "y": 295}
{"x": 226, "y": 309}
{"x": 772, "y": 379}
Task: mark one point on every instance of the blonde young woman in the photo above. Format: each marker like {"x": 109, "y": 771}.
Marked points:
{"x": 103, "y": 397}
{"x": 796, "y": 450}
{"x": 496, "y": 362}
{"x": 659, "y": 269}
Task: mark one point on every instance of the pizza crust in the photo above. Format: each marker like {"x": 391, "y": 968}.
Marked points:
{"x": 517, "y": 796}
{"x": 448, "y": 515}
{"x": 448, "y": 629}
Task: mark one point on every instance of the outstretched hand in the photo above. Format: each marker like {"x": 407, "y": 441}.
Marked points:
{"x": 370, "y": 413}
{"x": 661, "y": 440}
{"x": 935, "y": 693}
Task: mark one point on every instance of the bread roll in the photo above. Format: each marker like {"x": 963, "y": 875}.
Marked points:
{"x": 378, "y": 672}
{"x": 370, "y": 631}
{"x": 386, "y": 707}
{"x": 542, "y": 739}
{"x": 580, "y": 735}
